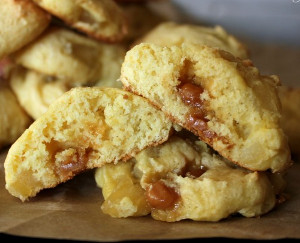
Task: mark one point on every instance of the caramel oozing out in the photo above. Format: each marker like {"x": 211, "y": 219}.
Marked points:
{"x": 160, "y": 196}
{"x": 190, "y": 95}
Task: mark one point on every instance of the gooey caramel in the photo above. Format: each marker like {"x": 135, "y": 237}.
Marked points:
{"x": 160, "y": 196}
{"x": 190, "y": 170}
{"x": 190, "y": 95}
{"x": 74, "y": 164}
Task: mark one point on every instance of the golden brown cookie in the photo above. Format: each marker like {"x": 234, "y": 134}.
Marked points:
{"x": 182, "y": 179}
{"x": 83, "y": 129}
{"x": 222, "y": 99}
{"x": 35, "y": 91}
{"x": 75, "y": 58}
{"x": 21, "y": 21}
{"x": 290, "y": 122}
{"x": 13, "y": 119}
{"x": 100, "y": 19}
{"x": 170, "y": 33}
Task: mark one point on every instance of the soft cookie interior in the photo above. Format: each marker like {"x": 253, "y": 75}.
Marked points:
{"x": 222, "y": 99}
{"x": 84, "y": 128}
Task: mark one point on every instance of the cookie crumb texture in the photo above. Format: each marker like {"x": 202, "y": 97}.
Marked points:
{"x": 83, "y": 129}
{"x": 161, "y": 181}
{"x": 222, "y": 99}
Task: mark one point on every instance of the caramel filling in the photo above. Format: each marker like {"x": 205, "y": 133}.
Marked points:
{"x": 73, "y": 164}
{"x": 160, "y": 196}
{"x": 192, "y": 171}
{"x": 190, "y": 95}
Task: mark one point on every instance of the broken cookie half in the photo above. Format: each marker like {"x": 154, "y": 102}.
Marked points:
{"x": 222, "y": 99}
{"x": 83, "y": 129}
{"x": 184, "y": 179}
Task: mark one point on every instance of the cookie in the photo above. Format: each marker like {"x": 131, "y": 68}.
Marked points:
{"x": 83, "y": 129}
{"x": 13, "y": 119}
{"x": 170, "y": 33}
{"x": 21, "y": 21}
{"x": 109, "y": 69}
{"x": 222, "y": 99}
{"x": 75, "y": 58}
{"x": 182, "y": 179}
{"x": 35, "y": 91}
{"x": 290, "y": 122}
{"x": 102, "y": 20}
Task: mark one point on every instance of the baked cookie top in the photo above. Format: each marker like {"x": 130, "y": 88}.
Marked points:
{"x": 83, "y": 129}
{"x": 77, "y": 59}
{"x": 21, "y": 21}
{"x": 103, "y": 19}
{"x": 183, "y": 179}
{"x": 222, "y": 99}
{"x": 36, "y": 91}
{"x": 170, "y": 33}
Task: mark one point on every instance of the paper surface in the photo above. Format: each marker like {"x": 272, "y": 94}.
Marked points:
{"x": 72, "y": 210}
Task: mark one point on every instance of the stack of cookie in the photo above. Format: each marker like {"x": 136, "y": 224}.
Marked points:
{"x": 235, "y": 144}
{"x": 53, "y": 46}
{"x": 194, "y": 133}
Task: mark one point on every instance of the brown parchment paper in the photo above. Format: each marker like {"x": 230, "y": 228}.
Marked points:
{"x": 72, "y": 210}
